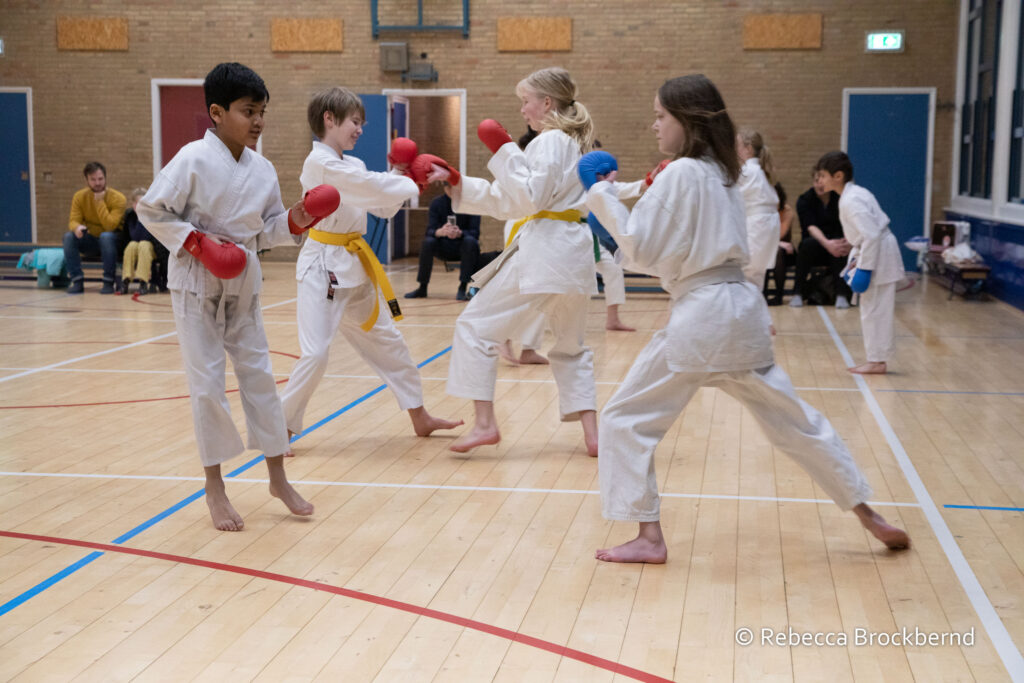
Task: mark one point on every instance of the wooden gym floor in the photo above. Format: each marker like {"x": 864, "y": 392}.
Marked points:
{"x": 423, "y": 565}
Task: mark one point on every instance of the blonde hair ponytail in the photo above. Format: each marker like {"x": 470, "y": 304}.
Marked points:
{"x": 764, "y": 155}
{"x": 566, "y": 115}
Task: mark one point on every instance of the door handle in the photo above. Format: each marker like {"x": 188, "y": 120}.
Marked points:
{"x": 24, "y": 175}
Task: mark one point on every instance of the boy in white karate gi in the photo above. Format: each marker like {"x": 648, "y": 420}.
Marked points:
{"x": 214, "y": 206}
{"x": 874, "y": 265}
{"x": 340, "y": 278}
{"x": 689, "y": 229}
{"x": 549, "y": 266}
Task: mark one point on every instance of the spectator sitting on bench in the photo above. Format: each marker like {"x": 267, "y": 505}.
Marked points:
{"x": 141, "y": 250}
{"x": 822, "y": 244}
{"x": 450, "y": 240}
{"x": 94, "y": 228}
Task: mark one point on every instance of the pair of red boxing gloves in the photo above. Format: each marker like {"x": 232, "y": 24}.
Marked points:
{"x": 405, "y": 155}
{"x": 227, "y": 260}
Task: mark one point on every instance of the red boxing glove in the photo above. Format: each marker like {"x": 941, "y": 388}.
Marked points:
{"x": 421, "y": 168}
{"x": 224, "y": 260}
{"x": 492, "y": 134}
{"x": 655, "y": 171}
{"x": 403, "y": 151}
{"x": 320, "y": 202}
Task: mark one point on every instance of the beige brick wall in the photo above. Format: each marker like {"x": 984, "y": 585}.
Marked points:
{"x": 97, "y": 104}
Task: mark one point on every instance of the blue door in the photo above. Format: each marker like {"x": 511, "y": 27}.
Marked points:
{"x": 399, "y": 129}
{"x": 15, "y": 175}
{"x": 372, "y": 148}
{"x": 888, "y": 137}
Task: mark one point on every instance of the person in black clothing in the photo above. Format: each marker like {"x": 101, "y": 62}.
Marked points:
{"x": 450, "y": 240}
{"x": 823, "y": 243}
{"x": 785, "y": 256}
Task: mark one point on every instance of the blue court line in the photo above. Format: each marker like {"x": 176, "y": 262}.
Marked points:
{"x": 943, "y": 391}
{"x": 982, "y": 507}
{"x": 71, "y": 569}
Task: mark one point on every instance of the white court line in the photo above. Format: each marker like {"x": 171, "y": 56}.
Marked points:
{"x": 373, "y": 377}
{"x": 108, "y": 351}
{"x": 436, "y": 487}
{"x": 997, "y": 633}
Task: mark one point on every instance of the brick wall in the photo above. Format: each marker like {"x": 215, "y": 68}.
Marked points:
{"x": 97, "y": 104}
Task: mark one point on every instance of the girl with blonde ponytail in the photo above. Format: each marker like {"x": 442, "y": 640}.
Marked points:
{"x": 547, "y": 267}
{"x": 761, "y": 203}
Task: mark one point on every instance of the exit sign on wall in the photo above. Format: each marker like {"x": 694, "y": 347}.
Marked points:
{"x": 884, "y": 41}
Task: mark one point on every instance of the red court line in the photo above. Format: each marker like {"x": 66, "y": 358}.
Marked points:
{"x": 489, "y": 629}
{"x": 136, "y": 299}
{"x": 117, "y": 403}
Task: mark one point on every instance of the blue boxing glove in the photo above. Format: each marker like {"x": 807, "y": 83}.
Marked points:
{"x": 593, "y": 164}
{"x": 859, "y": 280}
{"x": 601, "y": 233}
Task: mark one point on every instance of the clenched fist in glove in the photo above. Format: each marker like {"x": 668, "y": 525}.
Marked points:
{"x": 403, "y": 151}
{"x": 319, "y": 202}
{"x": 426, "y": 168}
{"x": 593, "y": 164}
{"x": 493, "y": 134}
{"x": 224, "y": 259}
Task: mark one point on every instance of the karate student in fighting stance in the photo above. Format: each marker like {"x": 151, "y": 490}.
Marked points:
{"x": 214, "y": 206}
{"x": 689, "y": 229}
{"x": 340, "y": 278}
{"x": 547, "y": 268}
{"x": 874, "y": 265}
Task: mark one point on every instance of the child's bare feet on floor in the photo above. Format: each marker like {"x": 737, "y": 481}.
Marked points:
{"x": 295, "y": 503}
{"x": 894, "y": 538}
{"x": 505, "y": 351}
{"x": 476, "y": 436}
{"x": 531, "y": 357}
{"x": 868, "y": 368}
{"x": 648, "y": 546}
{"x": 423, "y": 423}
{"x": 222, "y": 512}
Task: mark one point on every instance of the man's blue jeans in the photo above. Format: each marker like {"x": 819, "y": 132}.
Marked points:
{"x": 104, "y": 246}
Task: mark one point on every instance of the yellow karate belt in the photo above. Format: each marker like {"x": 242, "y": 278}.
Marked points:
{"x": 569, "y": 216}
{"x": 354, "y": 242}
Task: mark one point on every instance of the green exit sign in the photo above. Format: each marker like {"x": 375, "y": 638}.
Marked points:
{"x": 884, "y": 41}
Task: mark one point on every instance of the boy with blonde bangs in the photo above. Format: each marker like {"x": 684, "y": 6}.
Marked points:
{"x": 340, "y": 280}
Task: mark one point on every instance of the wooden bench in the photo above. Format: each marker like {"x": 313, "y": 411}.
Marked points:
{"x": 969, "y": 279}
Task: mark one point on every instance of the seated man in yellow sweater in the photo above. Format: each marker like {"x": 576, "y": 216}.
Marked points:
{"x": 94, "y": 228}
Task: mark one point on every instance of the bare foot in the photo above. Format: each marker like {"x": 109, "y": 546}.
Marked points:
{"x": 290, "y": 497}
{"x": 894, "y": 538}
{"x": 423, "y": 423}
{"x": 476, "y": 436}
{"x": 505, "y": 351}
{"x": 612, "y": 322}
{"x": 222, "y": 512}
{"x": 291, "y": 435}
{"x": 648, "y": 546}
{"x": 588, "y": 418}
{"x": 868, "y": 368}
{"x": 531, "y": 357}
{"x": 771, "y": 328}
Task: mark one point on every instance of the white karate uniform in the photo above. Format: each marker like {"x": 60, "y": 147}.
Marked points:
{"x": 552, "y": 272}
{"x": 320, "y": 318}
{"x": 875, "y": 248}
{"x": 689, "y": 229}
{"x": 763, "y": 224}
{"x": 611, "y": 272}
{"x": 533, "y": 332}
{"x": 203, "y": 188}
